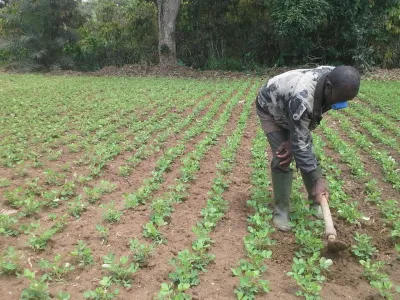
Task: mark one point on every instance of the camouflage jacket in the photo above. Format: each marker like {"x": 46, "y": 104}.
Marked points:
{"x": 294, "y": 102}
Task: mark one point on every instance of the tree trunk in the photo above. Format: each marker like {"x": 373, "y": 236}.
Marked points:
{"x": 167, "y": 14}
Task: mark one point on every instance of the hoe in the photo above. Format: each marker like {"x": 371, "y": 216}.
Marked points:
{"x": 330, "y": 231}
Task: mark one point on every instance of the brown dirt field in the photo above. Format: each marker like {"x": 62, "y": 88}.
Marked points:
{"x": 344, "y": 280}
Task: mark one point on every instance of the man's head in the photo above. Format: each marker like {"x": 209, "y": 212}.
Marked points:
{"x": 342, "y": 84}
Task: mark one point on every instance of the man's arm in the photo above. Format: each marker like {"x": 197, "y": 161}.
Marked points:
{"x": 301, "y": 138}
{"x": 303, "y": 152}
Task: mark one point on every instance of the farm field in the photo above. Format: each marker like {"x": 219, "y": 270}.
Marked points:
{"x": 159, "y": 188}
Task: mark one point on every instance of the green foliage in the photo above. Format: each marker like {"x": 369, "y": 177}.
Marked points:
{"x": 106, "y": 187}
{"x": 377, "y": 279}
{"x": 9, "y": 262}
{"x": 141, "y": 252}
{"x": 250, "y": 281}
{"x": 117, "y": 33}
{"x": 239, "y": 35}
{"x": 93, "y": 194}
{"x": 102, "y": 292}
{"x": 121, "y": 270}
{"x": 110, "y": 214}
{"x": 6, "y": 225}
{"x": 308, "y": 273}
{"x": 4, "y": 182}
{"x": 77, "y": 207}
{"x": 36, "y": 32}
{"x": 55, "y": 270}
{"x": 83, "y": 254}
{"x": 151, "y": 231}
{"x": 363, "y": 249}
{"x": 39, "y": 242}
{"x": 38, "y": 289}
{"x": 167, "y": 292}
{"x": 103, "y": 232}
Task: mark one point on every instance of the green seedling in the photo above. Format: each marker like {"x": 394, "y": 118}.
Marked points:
{"x": 73, "y": 148}
{"x": 51, "y": 198}
{"x": 121, "y": 271}
{"x": 38, "y": 289}
{"x": 10, "y": 262}
{"x": 61, "y": 295}
{"x": 4, "y": 182}
{"x": 125, "y": 170}
{"x": 102, "y": 292}
{"x": 111, "y": 215}
{"x": 55, "y": 270}
{"x": 378, "y": 280}
{"x": 66, "y": 167}
{"x": 141, "y": 252}
{"x": 151, "y": 231}
{"x": 40, "y": 242}
{"x": 32, "y": 187}
{"x": 364, "y": 249}
{"x": 53, "y": 178}
{"x": 16, "y": 197}
{"x": 7, "y": 225}
{"x": 103, "y": 233}
{"x": 27, "y": 229}
{"x": 52, "y": 216}
{"x": 77, "y": 207}
{"x": 161, "y": 210}
{"x": 83, "y": 254}
{"x": 55, "y": 155}
{"x": 308, "y": 273}
{"x": 31, "y": 206}
{"x": 167, "y": 292}
{"x": 250, "y": 280}
{"x": 93, "y": 194}
{"x": 67, "y": 190}
{"x": 107, "y": 187}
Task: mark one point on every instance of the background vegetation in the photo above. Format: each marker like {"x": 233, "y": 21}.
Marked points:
{"x": 225, "y": 34}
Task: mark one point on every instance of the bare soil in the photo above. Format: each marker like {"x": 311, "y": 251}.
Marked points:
{"x": 344, "y": 281}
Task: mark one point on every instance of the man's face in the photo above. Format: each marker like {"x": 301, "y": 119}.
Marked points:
{"x": 334, "y": 95}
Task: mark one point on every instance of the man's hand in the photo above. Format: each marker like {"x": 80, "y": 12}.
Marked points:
{"x": 284, "y": 152}
{"x": 319, "y": 188}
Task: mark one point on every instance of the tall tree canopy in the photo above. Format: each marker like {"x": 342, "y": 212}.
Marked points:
{"x": 224, "y": 34}
{"x": 36, "y": 32}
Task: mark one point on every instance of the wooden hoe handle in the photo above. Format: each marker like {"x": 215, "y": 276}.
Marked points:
{"x": 330, "y": 231}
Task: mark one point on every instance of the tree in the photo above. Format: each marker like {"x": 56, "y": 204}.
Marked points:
{"x": 36, "y": 33}
{"x": 167, "y": 15}
{"x": 117, "y": 32}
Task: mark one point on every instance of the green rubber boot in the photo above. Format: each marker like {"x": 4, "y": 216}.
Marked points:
{"x": 314, "y": 207}
{"x": 282, "y": 186}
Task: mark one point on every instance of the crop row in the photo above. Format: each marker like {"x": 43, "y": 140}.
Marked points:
{"x": 162, "y": 207}
{"x": 377, "y": 117}
{"x": 25, "y": 199}
{"x": 77, "y": 207}
{"x": 374, "y": 129}
{"x": 382, "y": 96}
{"x": 73, "y": 131}
{"x": 190, "y": 262}
{"x": 110, "y": 213}
{"x": 363, "y": 241}
{"x": 258, "y": 241}
{"x": 388, "y": 164}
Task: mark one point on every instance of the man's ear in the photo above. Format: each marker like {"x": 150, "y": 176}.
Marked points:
{"x": 328, "y": 82}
